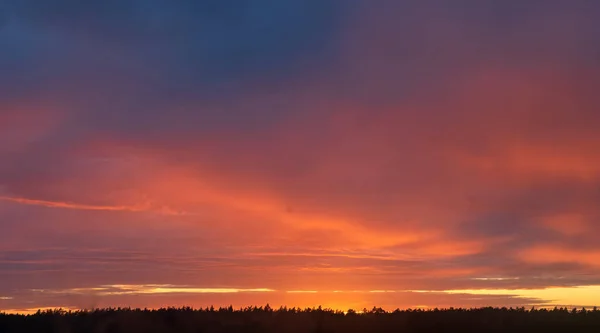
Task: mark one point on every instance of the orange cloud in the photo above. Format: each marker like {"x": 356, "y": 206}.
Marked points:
{"x": 559, "y": 254}
{"x": 568, "y": 224}
{"x": 532, "y": 162}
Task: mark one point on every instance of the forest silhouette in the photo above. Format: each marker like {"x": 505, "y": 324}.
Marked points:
{"x": 265, "y": 319}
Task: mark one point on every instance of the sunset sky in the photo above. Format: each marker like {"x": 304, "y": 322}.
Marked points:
{"x": 343, "y": 153}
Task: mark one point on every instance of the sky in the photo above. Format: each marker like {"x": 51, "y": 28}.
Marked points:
{"x": 343, "y": 153}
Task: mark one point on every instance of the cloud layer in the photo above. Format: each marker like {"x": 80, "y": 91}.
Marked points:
{"x": 299, "y": 146}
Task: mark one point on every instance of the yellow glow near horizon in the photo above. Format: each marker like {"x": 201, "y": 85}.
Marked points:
{"x": 579, "y": 295}
{"x": 28, "y": 311}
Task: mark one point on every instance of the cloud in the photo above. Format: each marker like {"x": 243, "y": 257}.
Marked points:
{"x": 581, "y": 295}
{"x": 112, "y": 290}
{"x": 301, "y": 146}
{"x": 68, "y": 205}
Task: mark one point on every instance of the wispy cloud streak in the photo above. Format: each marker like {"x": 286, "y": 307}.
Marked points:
{"x": 78, "y": 206}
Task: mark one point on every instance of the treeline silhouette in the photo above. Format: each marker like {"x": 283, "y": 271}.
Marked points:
{"x": 308, "y": 320}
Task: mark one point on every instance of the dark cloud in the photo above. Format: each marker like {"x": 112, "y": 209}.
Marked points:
{"x": 185, "y": 47}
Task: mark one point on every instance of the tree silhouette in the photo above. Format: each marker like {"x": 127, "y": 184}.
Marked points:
{"x": 265, "y": 319}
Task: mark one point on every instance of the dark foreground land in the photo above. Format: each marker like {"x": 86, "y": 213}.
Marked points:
{"x": 265, "y": 319}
